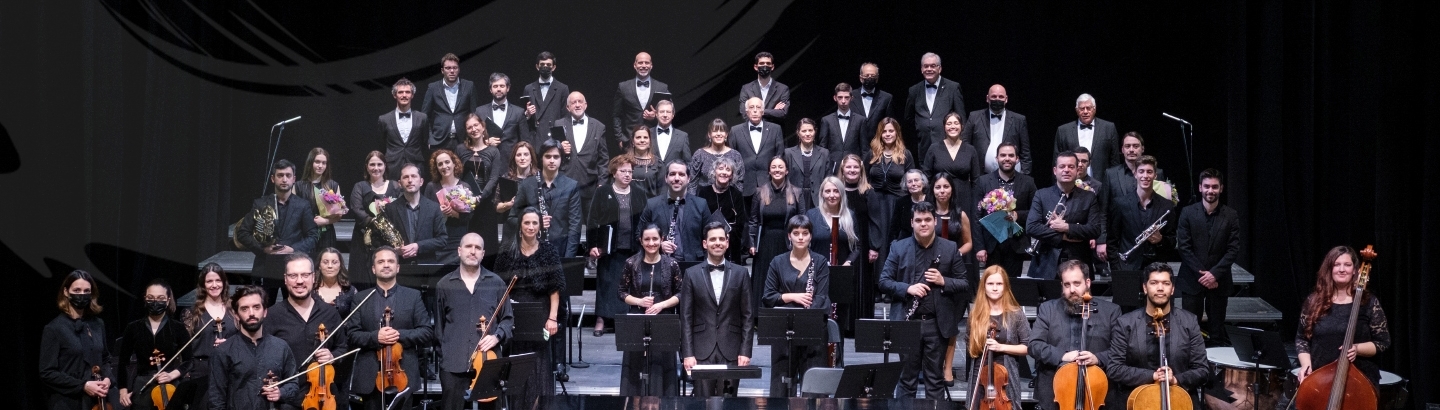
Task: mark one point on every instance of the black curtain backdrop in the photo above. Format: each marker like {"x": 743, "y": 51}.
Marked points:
{"x": 136, "y": 132}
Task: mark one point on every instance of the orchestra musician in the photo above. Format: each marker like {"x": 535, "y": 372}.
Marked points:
{"x": 995, "y": 307}
{"x": 716, "y": 321}
{"x": 1326, "y": 314}
{"x": 536, "y": 263}
{"x": 1134, "y": 354}
{"x": 1131, "y": 215}
{"x": 211, "y": 317}
{"x": 294, "y": 229}
{"x": 797, "y": 279}
{"x": 410, "y": 326}
{"x": 244, "y": 362}
{"x": 157, "y": 331}
{"x": 72, "y": 346}
{"x": 296, "y": 319}
{"x": 1063, "y": 219}
{"x": 926, "y": 279}
{"x": 650, "y": 284}
{"x": 464, "y": 296}
{"x": 1055, "y": 335}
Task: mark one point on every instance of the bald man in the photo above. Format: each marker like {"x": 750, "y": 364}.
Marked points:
{"x": 987, "y": 128}
{"x": 758, "y": 141}
{"x": 466, "y": 295}
{"x": 584, "y": 151}
{"x": 634, "y": 103}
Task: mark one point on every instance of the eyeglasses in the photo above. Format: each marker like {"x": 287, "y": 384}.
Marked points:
{"x": 306, "y": 275}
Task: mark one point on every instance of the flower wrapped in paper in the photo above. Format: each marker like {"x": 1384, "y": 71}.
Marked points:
{"x": 378, "y": 205}
{"x": 459, "y": 198}
{"x": 997, "y": 204}
{"x": 1165, "y": 190}
{"x": 330, "y": 202}
{"x": 1080, "y": 183}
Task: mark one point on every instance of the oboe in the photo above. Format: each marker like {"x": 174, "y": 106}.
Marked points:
{"x": 540, "y": 200}
{"x": 916, "y": 304}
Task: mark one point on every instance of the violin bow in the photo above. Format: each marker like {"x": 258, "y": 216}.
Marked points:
{"x": 303, "y": 372}
{"x": 353, "y": 310}
{"x": 168, "y": 362}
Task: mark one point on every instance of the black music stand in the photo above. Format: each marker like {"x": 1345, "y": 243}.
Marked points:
{"x": 421, "y": 276}
{"x": 725, "y": 374}
{"x": 887, "y": 336}
{"x": 648, "y": 334}
{"x": 1127, "y": 288}
{"x": 872, "y": 381}
{"x": 501, "y": 376}
{"x": 1258, "y": 347}
{"x": 530, "y": 319}
{"x": 574, "y": 269}
{"x": 792, "y": 327}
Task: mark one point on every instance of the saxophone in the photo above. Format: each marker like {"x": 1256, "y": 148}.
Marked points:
{"x": 264, "y": 231}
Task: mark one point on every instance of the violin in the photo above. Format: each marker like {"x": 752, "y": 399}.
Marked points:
{"x": 391, "y": 378}
{"x": 483, "y": 326}
{"x": 991, "y": 381}
{"x": 319, "y": 397}
{"x": 1161, "y": 394}
{"x": 1081, "y": 387}
{"x": 100, "y": 402}
{"x": 270, "y": 380}
{"x": 162, "y": 392}
{"x": 1339, "y": 385}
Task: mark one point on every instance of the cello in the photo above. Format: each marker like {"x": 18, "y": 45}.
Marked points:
{"x": 319, "y": 397}
{"x": 1161, "y": 394}
{"x": 391, "y": 378}
{"x": 483, "y": 326}
{"x": 1339, "y": 384}
{"x": 1081, "y": 387}
{"x": 991, "y": 380}
{"x": 162, "y": 392}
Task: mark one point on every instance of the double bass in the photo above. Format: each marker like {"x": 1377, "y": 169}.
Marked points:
{"x": 991, "y": 380}
{"x": 319, "y": 397}
{"x": 1339, "y": 385}
{"x": 391, "y": 378}
{"x": 1161, "y": 394}
{"x": 161, "y": 394}
{"x": 483, "y": 326}
{"x": 1081, "y": 387}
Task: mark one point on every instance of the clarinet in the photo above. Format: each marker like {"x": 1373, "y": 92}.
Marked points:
{"x": 916, "y": 304}
{"x": 540, "y": 199}
{"x": 674, "y": 220}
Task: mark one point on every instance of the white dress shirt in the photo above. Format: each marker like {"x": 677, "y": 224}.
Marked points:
{"x": 498, "y": 115}
{"x": 930, "y": 95}
{"x": 755, "y": 136}
{"x": 642, "y": 93}
{"x": 764, "y": 91}
{"x": 997, "y": 135}
{"x": 662, "y": 141}
{"x": 866, "y": 101}
{"x": 717, "y": 281}
{"x": 545, "y": 89}
{"x": 844, "y": 123}
{"x": 1086, "y": 139}
{"x": 581, "y": 131}
{"x": 403, "y": 124}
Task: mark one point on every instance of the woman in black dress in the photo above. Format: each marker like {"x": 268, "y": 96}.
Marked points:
{"x": 832, "y": 204}
{"x": 479, "y": 156}
{"x": 774, "y": 204}
{"x": 730, "y": 203}
{"x": 317, "y": 178}
{"x": 650, "y": 285}
{"x": 520, "y": 165}
{"x": 1012, "y": 331}
{"x": 649, "y": 172}
{"x": 858, "y": 196}
{"x": 614, "y": 217}
{"x": 210, "y": 317}
{"x": 72, "y": 348}
{"x": 952, "y": 221}
{"x": 887, "y": 162}
{"x": 333, "y": 287}
{"x": 797, "y": 279}
{"x": 157, "y": 331}
{"x": 957, "y": 158}
{"x": 363, "y": 207}
{"x": 537, "y": 264}
{"x": 1326, "y": 313}
{"x": 806, "y": 161}
{"x": 445, "y": 172}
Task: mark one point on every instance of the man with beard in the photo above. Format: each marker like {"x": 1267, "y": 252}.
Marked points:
{"x": 1134, "y": 347}
{"x": 1130, "y": 215}
{"x": 926, "y": 278}
{"x": 1208, "y": 238}
{"x": 465, "y": 296}
{"x": 1006, "y": 252}
{"x": 687, "y": 211}
{"x": 1063, "y": 220}
{"x": 409, "y": 325}
{"x": 294, "y": 229}
{"x": 1120, "y": 179}
{"x": 297, "y": 321}
{"x": 242, "y": 364}
{"x": 1055, "y": 336}
{"x": 418, "y": 219}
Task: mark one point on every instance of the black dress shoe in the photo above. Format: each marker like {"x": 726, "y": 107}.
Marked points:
{"x": 598, "y": 333}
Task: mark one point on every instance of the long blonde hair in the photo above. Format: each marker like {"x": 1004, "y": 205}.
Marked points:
{"x": 877, "y": 145}
{"x": 980, "y": 314}
{"x": 847, "y": 220}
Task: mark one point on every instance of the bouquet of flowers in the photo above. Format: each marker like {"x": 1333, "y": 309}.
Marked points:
{"x": 1165, "y": 190}
{"x": 1080, "y": 183}
{"x": 330, "y": 202}
{"x": 378, "y": 205}
{"x": 997, "y": 204}
{"x": 998, "y": 199}
{"x": 459, "y": 198}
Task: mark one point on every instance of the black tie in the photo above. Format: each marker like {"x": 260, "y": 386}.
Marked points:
{"x": 867, "y": 95}
{"x": 755, "y": 128}
{"x": 404, "y": 115}
{"x": 677, "y": 201}
{"x": 845, "y": 117}
{"x": 1087, "y": 126}
{"x": 662, "y": 130}
{"x": 498, "y": 107}
{"x": 578, "y": 121}
{"x": 931, "y": 86}
{"x": 996, "y": 116}
{"x": 645, "y": 83}
{"x": 545, "y": 84}
{"x": 715, "y": 268}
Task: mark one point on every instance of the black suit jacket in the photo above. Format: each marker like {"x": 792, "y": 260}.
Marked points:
{"x": 407, "y": 315}
{"x": 587, "y": 166}
{"x": 1206, "y": 243}
{"x": 510, "y": 126}
{"x": 1086, "y": 220}
{"x": 929, "y": 124}
{"x": 757, "y": 159}
{"x": 778, "y": 93}
{"x": 399, "y": 151}
{"x": 882, "y": 106}
{"x": 693, "y": 214}
{"x": 1134, "y": 355}
{"x": 430, "y": 231}
{"x": 1023, "y": 187}
{"x": 819, "y": 169}
{"x": 294, "y": 227}
{"x": 546, "y": 111}
{"x": 856, "y": 140}
{"x": 437, "y": 108}
{"x": 626, "y": 111}
{"x": 1104, "y": 148}
{"x": 562, "y": 202}
{"x": 901, "y": 270}
{"x": 1051, "y": 338}
{"x": 707, "y": 323}
{"x": 1017, "y": 131}
{"x": 679, "y": 145}
{"x": 1125, "y": 220}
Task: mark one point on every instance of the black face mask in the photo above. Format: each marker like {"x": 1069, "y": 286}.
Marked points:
{"x": 156, "y": 307}
{"x": 80, "y": 302}
{"x": 765, "y": 71}
{"x": 545, "y": 71}
{"x": 868, "y": 83}
{"x": 997, "y": 105}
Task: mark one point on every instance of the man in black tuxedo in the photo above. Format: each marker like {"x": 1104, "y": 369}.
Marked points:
{"x": 547, "y": 101}
{"x": 1097, "y": 135}
{"x": 1129, "y": 216}
{"x": 716, "y": 321}
{"x": 403, "y": 131}
{"x": 1062, "y": 235}
{"x": 1120, "y": 179}
{"x": 634, "y": 104}
{"x": 774, "y": 96}
{"x": 925, "y": 268}
{"x": 1006, "y": 252}
{"x": 561, "y": 213}
{"x": 987, "y": 128}
{"x": 1208, "y": 238}
{"x": 586, "y": 151}
{"x": 758, "y": 141}
{"x": 294, "y": 230}
{"x": 670, "y": 142}
{"x": 928, "y": 104}
{"x": 693, "y": 212}
{"x": 871, "y": 102}
{"x": 843, "y": 131}
{"x": 409, "y": 326}
{"x": 446, "y": 103}
{"x": 509, "y": 117}
{"x": 418, "y": 219}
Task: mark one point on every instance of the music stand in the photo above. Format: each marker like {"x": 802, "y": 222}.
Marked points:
{"x": 647, "y": 333}
{"x": 873, "y": 381}
{"x": 421, "y": 276}
{"x": 1260, "y": 348}
{"x": 574, "y": 269}
{"x": 887, "y": 336}
{"x": 792, "y": 327}
{"x": 530, "y": 319}
{"x": 1126, "y": 288}
{"x": 500, "y": 376}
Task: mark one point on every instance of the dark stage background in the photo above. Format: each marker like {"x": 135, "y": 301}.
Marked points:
{"x": 135, "y": 132}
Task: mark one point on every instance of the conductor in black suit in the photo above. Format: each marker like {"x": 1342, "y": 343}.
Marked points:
{"x": 634, "y": 103}
{"x": 843, "y": 131}
{"x": 775, "y": 97}
{"x": 716, "y": 321}
{"x": 410, "y": 326}
{"x": 418, "y": 219}
{"x": 499, "y": 110}
{"x": 669, "y": 142}
{"x": 1097, "y": 135}
{"x": 929, "y": 102}
{"x": 403, "y": 131}
{"x": 294, "y": 230}
{"x": 758, "y": 141}
{"x": 446, "y": 103}
{"x": 547, "y": 101}
{"x": 925, "y": 268}
{"x": 693, "y": 211}
{"x": 987, "y": 128}
{"x": 870, "y": 101}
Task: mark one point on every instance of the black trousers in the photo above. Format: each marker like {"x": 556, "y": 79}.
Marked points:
{"x": 372, "y": 400}
{"x": 808, "y": 357}
{"x": 1211, "y": 302}
{"x": 929, "y": 365}
{"x": 710, "y": 388}
{"x": 452, "y": 391}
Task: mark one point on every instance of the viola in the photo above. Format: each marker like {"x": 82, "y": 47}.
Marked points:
{"x": 391, "y": 378}
{"x": 1339, "y": 385}
{"x": 991, "y": 381}
{"x": 1081, "y": 387}
{"x": 483, "y": 326}
{"x": 1161, "y": 394}
{"x": 100, "y": 402}
{"x": 320, "y": 376}
{"x": 161, "y": 394}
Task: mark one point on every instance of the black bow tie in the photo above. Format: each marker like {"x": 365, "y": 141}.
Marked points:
{"x": 714, "y": 268}
{"x": 497, "y": 107}
{"x": 845, "y": 117}
{"x": 677, "y": 201}
{"x": 867, "y": 95}
{"x": 578, "y": 121}
{"x": 932, "y": 86}
{"x": 756, "y": 128}
{"x": 996, "y": 116}
{"x": 639, "y": 83}
{"x": 1087, "y": 126}
{"x": 545, "y": 84}
{"x": 662, "y": 130}
{"x": 404, "y": 115}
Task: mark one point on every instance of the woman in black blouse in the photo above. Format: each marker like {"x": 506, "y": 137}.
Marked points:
{"x": 887, "y": 162}
{"x": 859, "y": 196}
{"x": 650, "y": 285}
{"x": 445, "y": 172}
{"x": 333, "y": 287}
{"x": 158, "y": 330}
{"x": 317, "y": 177}
{"x": 1326, "y": 313}
{"x": 951, "y": 220}
{"x": 537, "y": 264}
{"x": 772, "y": 207}
{"x": 479, "y": 156}
{"x": 833, "y": 204}
{"x": 614, "y": 216}
{"x": 730, "y": 203}
{"x": 363, "y": 208}
{"x": 648, "y": 172}
{"x": 73, "y": 346}
{"x": 806, "y": 161}
{"x": 212, "y": 301}
{"x": 797, "y": 279}
{"x": 955, "y": 157}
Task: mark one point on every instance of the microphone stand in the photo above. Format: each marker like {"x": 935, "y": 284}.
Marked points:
{"x": 1187, "y": 136}
{"x": 273, "y": 150}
